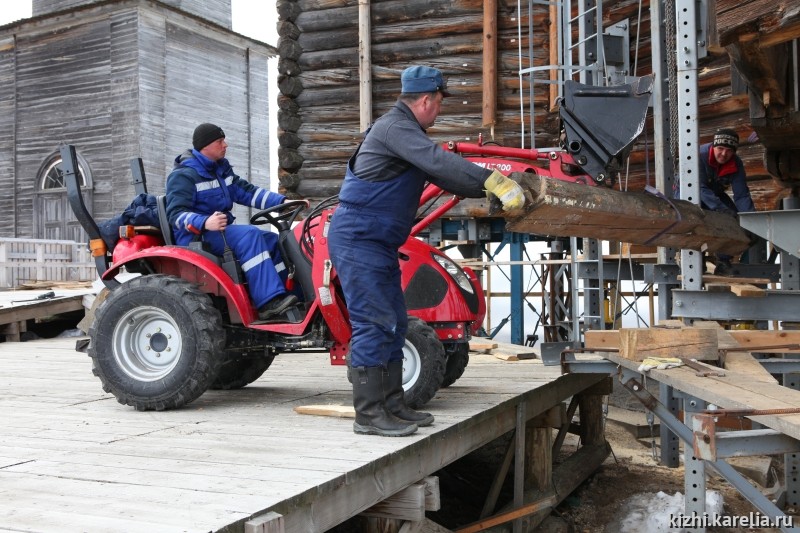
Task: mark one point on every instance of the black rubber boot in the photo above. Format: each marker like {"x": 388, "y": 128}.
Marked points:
{"x": 395, "y": 402}
{"x": 372, "y": 418}
{"x": 277, "y": 306}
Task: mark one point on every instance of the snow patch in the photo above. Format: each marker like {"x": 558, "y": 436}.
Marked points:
{"x": 651, "y": 512}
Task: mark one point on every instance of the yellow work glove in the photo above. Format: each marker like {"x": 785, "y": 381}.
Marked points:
{"x": 507, "y": 191}
{"x": 659, "y": 363}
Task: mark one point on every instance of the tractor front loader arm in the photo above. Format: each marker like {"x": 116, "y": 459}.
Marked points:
{"x": 102, "y": 258}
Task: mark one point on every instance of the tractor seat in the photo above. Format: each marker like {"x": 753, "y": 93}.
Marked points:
{"x": 166, "y": 229}
{"x": 166, "y": 232}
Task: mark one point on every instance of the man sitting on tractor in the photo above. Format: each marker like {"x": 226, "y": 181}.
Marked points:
{"x": 201, "y": 191}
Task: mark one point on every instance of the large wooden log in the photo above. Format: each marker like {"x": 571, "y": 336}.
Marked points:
{"x": 563, "y": 209}
{"x": 772, "y": 21}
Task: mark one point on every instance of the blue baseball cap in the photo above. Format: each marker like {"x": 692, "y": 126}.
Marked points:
{"x": 419, "y": 79}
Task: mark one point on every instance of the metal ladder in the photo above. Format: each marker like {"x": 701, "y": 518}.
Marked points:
{"x": 583, "y": 57}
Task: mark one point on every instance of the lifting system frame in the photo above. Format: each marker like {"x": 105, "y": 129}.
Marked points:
{"x": 675, "y": 57}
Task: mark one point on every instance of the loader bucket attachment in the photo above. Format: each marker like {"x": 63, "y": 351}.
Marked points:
{"x": 602, "y": 123}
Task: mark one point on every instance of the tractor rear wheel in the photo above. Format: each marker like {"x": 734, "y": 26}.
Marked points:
{"x": 157, "y": 342}
{"x": 423, "y": 363}
{"x": 239, "y": 371}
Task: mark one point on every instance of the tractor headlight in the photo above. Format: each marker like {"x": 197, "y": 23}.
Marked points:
{"x": 455, "y": 272}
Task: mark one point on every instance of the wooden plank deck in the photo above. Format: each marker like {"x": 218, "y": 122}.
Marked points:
{"x": 733, "y": 390}
{"x": 17, "y": 307}
{"x": 73, "y": 459}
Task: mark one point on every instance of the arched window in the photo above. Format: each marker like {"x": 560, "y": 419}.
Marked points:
{"x": 53, "y": 216}
{"x": 52, "y": 175}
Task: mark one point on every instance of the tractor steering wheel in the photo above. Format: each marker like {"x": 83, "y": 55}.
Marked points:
{"x": 279, "y": 215}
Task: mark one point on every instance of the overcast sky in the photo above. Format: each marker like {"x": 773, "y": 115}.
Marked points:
{"x": 253, "y": 18}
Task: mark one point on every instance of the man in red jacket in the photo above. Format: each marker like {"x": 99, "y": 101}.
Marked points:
{"x": 720, "y": 168}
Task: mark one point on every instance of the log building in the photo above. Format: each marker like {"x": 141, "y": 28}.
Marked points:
{"x": 120, "y": 79}
{"x": 319, "y": 47}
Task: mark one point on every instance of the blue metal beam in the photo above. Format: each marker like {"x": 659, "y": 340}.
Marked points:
{"x": 516, "y": 248}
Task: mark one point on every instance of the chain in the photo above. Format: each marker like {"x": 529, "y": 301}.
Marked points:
{"x": 672, "y": 77}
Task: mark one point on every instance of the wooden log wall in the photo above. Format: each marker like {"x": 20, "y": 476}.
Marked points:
{"x": 761, "y": 38}
{"x": 318, "y": 115}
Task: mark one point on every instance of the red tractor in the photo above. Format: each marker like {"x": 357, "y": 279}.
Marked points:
{"x": 186, "y": 322}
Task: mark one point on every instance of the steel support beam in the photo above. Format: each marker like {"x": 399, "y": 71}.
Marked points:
{"x": 777, "y": 227}
{"x": 687, "y": 44}
{"x": 775, "y": 305}
{"x": 664, "y": 162}
{"x": 694, "y": 474}
{"x": 745, "y": 488}
{"x": 670, "y": 444}
{"x": 517, "y": 246}
{"x": 710, "y": 445}
{"x": 668, "y": 274}
{"x": 782, "y": 366}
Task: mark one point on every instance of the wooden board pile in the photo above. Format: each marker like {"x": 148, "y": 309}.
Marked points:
{"x": 501, "y": 350}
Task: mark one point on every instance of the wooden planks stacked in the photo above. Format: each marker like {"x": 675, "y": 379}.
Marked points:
{"x": 707, "y": 341}
{"x": 563, "y": 209}
{"x": 502, "y": 350}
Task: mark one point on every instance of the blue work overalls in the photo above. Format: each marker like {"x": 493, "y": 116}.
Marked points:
{"x": 373, "y": 220}
{"x": 256, "y": 250}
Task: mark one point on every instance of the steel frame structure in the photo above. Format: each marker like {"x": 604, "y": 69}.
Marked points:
{"x": 704, "y": 447}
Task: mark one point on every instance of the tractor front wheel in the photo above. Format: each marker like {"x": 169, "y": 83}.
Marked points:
{"x": 457, "y": 360}
{"x": 423, "y": 363}
{"x": 157, "y": 342}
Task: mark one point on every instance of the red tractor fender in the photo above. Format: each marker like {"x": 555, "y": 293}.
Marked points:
{"x": 476, "y": 284}
{"x": 195, "y": 267}
{"x": 333, "y": 309}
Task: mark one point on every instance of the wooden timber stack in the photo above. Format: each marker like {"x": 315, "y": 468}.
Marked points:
{"x": 563, "y": 209}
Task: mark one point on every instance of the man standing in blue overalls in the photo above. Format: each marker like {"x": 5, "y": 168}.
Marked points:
{"x": 378, "y": 204}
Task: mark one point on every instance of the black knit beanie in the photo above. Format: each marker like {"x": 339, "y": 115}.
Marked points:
{"x": 205, "y": 134}
{"x": 727, "y": 138}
